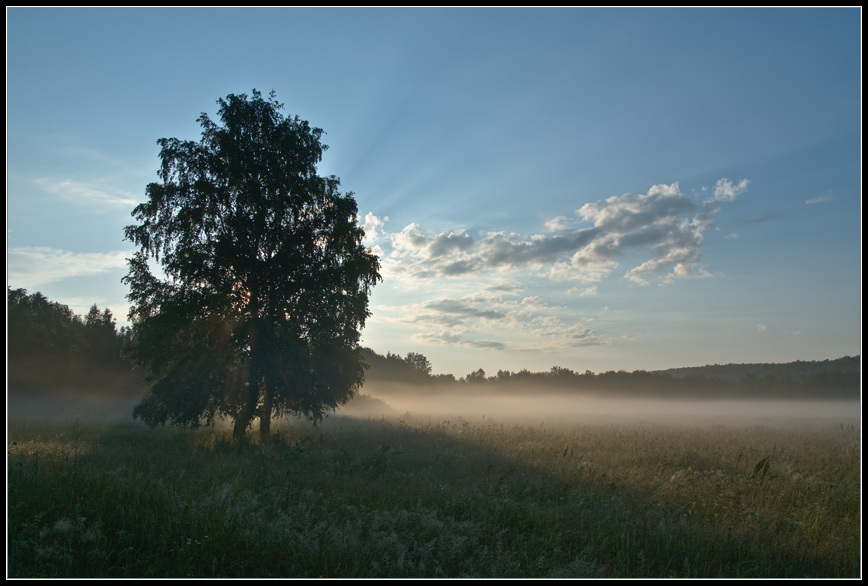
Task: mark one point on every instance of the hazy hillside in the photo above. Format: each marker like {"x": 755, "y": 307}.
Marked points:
{"x": 847, "y": 364}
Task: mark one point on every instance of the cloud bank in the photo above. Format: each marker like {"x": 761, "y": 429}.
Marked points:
{"x": 664, "y": 224}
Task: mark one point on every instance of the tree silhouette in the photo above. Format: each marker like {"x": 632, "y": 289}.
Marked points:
{"x": 266, "y": 281}
{"x": 419, "y": 364}
{"x": 477, "y": 376}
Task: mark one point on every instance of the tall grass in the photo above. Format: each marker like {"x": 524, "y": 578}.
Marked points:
{"x": 434, "y": 497}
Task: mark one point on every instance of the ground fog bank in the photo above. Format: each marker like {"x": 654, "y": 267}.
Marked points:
{"x": 395, "y": 400}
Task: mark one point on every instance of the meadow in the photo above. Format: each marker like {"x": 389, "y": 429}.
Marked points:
{"x": 426, "y": 495}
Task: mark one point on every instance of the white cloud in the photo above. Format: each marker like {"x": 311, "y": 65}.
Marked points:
{"x": 31, "y": 267}
{"x": 573, "y": 335}
{"x": 372, "y": 225}
{"x": 724, "y": 190}
{"x": 87, "y": 193}
{"x": 556, "y": 224}
{"x": 449, "y": 338}
{"x": 664, "y": 223}
{"x": 761, "y": 328}
{"x": 441, "y": 337}
{"x": 820, "y": 199}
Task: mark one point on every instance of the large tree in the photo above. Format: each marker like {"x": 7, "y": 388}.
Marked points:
{"x": 265, "y": 281}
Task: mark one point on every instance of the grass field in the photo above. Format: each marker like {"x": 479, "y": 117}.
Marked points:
{"x": 436, "y": 497}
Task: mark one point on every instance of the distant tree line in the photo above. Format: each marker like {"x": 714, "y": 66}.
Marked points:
{"x": 49, "y": 347}
{"x": 835, "y": 379}
{"x": 817, "y": 384}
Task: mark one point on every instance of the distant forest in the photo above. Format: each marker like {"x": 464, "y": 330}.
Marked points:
{"x": 51, "y": 348}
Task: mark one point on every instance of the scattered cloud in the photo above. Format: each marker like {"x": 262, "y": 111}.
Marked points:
{"x": 480, "y": 276}
{"x": 764, "y": 218}
{"x": 820, "y": 199}
{"x": 452, "y": 312}
{"x": 486, "y": 320}
{"x": 761, "y": 328}
{"x": 87, "y": 193}
{"x": 442, "y": 337}
{"x": 724, "y": 190}
{"x": 30, "y": 267}
{"x": 505, "y": 286}
{"x": 455, "y": 339}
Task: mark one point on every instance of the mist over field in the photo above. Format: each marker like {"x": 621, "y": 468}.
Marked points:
{"x": 95, "y": 406}
{"x": 390, "y": 400}
{"x": 558, "y": 408}
{"x": 384, "y": 402}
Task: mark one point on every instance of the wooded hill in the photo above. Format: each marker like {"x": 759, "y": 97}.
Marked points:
{"x": 847, "y": 364}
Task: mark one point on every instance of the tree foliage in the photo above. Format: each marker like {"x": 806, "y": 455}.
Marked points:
{"x": 419, "y": 363}
{"x": 415, "y": 368}
{"x": 265, "y": 279}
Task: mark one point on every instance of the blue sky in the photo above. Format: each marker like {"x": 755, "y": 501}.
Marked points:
{"x": 589, "y": 188}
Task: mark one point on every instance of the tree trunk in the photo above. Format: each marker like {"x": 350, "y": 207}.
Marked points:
{"x": 265, "y": 417}
{"x": 248, "y": 408}
{"x": 254, "y": 375}
{"x": 239, "y": 430}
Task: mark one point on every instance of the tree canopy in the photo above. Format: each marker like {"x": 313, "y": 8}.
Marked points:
{"x": 265, "y": 281}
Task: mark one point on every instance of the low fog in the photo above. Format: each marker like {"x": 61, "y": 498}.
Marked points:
{"x": 98, "y": 406}
{"x": 393, "y": 400}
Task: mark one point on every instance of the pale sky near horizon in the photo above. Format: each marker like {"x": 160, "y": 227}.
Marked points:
{"x": 597, "y": 189}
